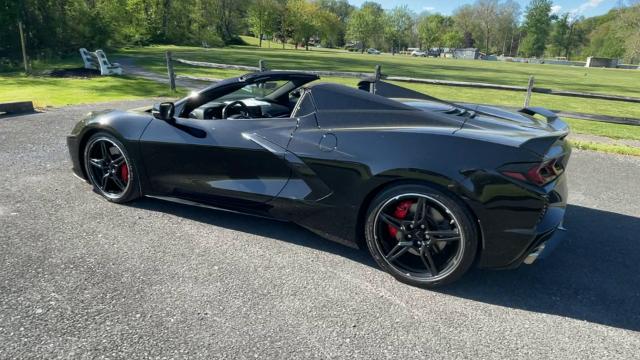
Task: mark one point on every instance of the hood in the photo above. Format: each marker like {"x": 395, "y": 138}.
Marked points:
{"x": 143, "y": 109}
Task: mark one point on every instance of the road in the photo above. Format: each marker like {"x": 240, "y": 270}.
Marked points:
{"x": 84, "y": 278}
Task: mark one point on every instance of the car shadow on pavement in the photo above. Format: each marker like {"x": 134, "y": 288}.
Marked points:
{"x": 594, "y": 275}
{"x": 273, "y": 229}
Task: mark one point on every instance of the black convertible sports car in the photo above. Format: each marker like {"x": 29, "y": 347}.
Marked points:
{"x": 430, "y": 187}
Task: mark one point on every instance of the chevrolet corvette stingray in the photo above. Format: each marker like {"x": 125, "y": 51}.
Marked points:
{"x": 430, "y": 187}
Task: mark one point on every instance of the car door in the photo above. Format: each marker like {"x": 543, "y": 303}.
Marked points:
{"x": 218, "y": 162}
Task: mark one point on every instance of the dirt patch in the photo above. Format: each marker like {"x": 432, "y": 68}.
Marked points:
{"x": 72, "y": 73}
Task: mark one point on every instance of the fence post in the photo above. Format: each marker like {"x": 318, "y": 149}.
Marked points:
{"x": 170, "y": 72}
{"x": 24, "y": 48}
{"x": 376, "y": 77}
{"x": 262, "y": 66}
{"x": 527, "y": 98}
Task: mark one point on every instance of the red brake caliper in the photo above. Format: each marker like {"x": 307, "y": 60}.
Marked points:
{"x": 401, "y": 211}
{"x": 124, "y": 172}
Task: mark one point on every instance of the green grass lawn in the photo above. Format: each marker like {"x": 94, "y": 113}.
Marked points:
{"x": 47, "y": 91}
{"x": 252, "y": 41}
{"x": 606, "y": 81}
{"x": 614, "y": 131}
{"x": 608, "y": 148}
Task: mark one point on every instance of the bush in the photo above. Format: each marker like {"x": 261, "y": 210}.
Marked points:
{"x": 209, "y": 38}
{"x": 236, "y": 40}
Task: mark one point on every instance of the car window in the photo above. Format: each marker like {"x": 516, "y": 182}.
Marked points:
{"x": 257, "y": 90}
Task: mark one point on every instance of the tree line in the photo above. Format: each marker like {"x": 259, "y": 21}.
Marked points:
{"x": 57, "y": 27}
{"x": 501, "y": 27}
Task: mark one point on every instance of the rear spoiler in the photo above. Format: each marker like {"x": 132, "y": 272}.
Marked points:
{"x": 541, "y": 145}
{"x": 548, "y": 114}
{"x": 560, "y": 127}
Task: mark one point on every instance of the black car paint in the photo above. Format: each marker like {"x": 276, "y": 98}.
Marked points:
{"x": 322, "y": 169}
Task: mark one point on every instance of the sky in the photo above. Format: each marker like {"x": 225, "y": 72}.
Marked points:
{"x": 585, "y": 8}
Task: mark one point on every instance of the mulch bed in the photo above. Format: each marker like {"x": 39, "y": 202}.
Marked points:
{"x": 72, "y": 73}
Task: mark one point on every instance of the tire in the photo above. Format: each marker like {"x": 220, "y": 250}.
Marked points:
{"x": 431, "y": 240}
{"x": 100, "y": 165}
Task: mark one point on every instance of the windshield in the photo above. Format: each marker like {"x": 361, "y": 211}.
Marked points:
{"x": 258, "y": 90}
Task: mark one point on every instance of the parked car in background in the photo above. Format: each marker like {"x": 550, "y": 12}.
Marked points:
{"x": 353, "y": 46}
{"x": 419, "y": 53}
{"x": 373, "y": 51}
{"x": 434, "y": 52}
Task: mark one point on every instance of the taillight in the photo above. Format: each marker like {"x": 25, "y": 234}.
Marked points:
{"x": 538, "y": 174}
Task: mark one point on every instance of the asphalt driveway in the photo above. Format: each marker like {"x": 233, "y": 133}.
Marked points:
{"x": 83, "y": 278}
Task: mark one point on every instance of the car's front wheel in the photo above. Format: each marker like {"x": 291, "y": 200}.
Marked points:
{"x": 110, "y": 169}
{"x": 420, "y": 235}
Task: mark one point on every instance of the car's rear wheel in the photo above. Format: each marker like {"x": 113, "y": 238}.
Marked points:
{"x": 420, "y": 235}
{"x": 110, "y": 169}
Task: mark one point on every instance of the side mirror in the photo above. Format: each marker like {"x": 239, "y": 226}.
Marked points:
{"x": 164, "y": 111}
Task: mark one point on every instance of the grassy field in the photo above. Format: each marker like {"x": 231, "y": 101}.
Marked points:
{"x": 606, "y": 81}
{"x": 614, "y": 131}
{"x": 47, "y": 91}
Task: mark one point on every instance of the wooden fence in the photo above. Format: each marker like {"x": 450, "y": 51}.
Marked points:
{"x": 529, "y": 89}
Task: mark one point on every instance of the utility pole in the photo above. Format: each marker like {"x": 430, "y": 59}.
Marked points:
{"x": 24, "y": 49}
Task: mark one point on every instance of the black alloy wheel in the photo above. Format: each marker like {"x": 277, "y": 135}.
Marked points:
{"x": 110, "y": 169}
{"x": 421, "y": 236}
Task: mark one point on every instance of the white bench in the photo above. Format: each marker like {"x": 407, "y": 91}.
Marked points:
{"x": 90, "y": 60}
{"x": 98, "y": 61}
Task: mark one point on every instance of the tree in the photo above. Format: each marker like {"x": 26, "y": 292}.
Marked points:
{"x": 303, "y": 20}
{"x": 630, "y": 25}
{"x": 465, "y": 21}
{"x": 487, "y": 14}
{"x": 329, "y": 28}
{"x": 453, "y": 39}
{"x": 607, "y": 41}
{"x": 226, "y": 15}
{"x": 559, "y": 35}
{"x": 262, "y": 18}
{"x": 566, "y": 35}
{"x": 341, "y": 9}
{"x": 537, "y": 26}
{"x": 431, "y": 30}
{"x": 398, "y": 27}
{"x": 365, "y": 24}
{"x": 507, "y": 25}
{"x": 283, "y": 20}
{"x": 490, "y": 24}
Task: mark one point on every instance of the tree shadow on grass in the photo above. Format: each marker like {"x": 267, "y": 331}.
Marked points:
{"x": 593, "y": 275}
